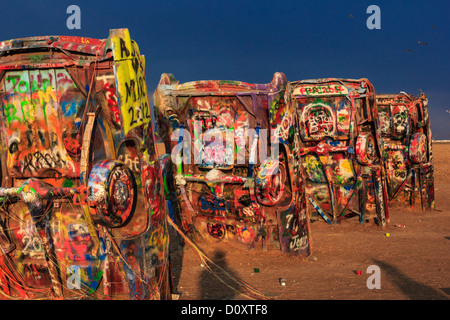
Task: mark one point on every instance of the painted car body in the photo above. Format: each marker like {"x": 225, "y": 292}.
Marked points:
{"x": 228, "y": 190}
{"x": 340, "y": 149}
{"x": 78, "y": 167}
{"x": 407, "y": 144}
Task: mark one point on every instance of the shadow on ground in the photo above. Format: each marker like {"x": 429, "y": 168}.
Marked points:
{"x": 413, "y": 289}
{"x": 214, "y": 285}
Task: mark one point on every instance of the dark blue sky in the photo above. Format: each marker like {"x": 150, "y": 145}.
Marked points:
{"x": 249, "y": 40}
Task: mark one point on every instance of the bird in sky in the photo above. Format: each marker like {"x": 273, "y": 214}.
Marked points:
{"x": 423, "y": 43}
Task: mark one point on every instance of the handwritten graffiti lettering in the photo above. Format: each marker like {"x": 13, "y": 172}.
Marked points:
{"x": 131, "y": 162}
{"x": 24, "y": 86}
{"x": 136, "y": 95}
{"x": 208, "y": 121}
{"x": 124, "y": 52}
{"x": 400, "y": 174}
{"x": 132, "y": 91}
{"x": 111, "y": 97}
{"x": 39, "y": 160}
{"x": 297, "y": 242}
{"x": 319, "y": 120}
{"x": 32, "y": 245}
{"x": 321, "y": 90}
{"x": 213, "y": 205}
{"x": 291, "y": 223}
{"x": 25, "y": 83}
{"x": 46, "y": 139}
{"x": 31, "y": 242}
{"x": 216, "y": 230}
{"x": 138, "y": 114}
{"x": 298, "y": 238}
{"x": 24, "y": 109}
{"x": 294, "y": 233}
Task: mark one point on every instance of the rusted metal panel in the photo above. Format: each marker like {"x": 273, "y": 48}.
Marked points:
{"x": 83, "y": 204}
{"x": 407, "y": 146}
{"x": 340, "y": 147}
{"x": 220, "y": 132}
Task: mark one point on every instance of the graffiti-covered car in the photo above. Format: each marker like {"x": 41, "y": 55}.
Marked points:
{"x": 340, "y": 149}
{"x": 83, "y": 210}
{"x": 407, "y": 142}
{"x": 237, "y": 175}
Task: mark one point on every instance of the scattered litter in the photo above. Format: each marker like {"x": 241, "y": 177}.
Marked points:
{"x": 256, "y": 270}
{"x": 176, "y": 296}
{"x": 399, "y": 226}
{"x": 358, "y": 272}
{"x": 283, "y": 282}
{"x": 387, "y": 234}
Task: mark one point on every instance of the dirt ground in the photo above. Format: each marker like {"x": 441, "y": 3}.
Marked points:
{"x": 414, "y": 261}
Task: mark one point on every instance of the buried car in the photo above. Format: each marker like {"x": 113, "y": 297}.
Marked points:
{"x": 82, "y": 206}
{"x": 219, "y": 134}
{"x": 340, "y": 149}
{"x": 407, "y": 143}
